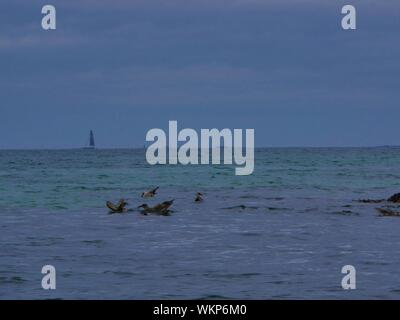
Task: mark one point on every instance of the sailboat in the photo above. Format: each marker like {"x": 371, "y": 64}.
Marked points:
{"x": 91, "y": 141}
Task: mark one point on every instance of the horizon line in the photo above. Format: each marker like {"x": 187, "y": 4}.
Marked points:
{"x": 141, "y": 148}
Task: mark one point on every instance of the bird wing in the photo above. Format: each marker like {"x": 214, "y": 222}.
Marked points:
{"x": 112, "y": 206}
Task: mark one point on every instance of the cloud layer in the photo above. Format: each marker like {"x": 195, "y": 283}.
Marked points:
{"x": 284, "y": 68}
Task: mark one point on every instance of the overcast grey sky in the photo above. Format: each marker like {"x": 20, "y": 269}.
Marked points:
{"x": 284, "y": 68}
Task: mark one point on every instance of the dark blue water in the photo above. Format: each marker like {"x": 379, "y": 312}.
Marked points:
{"x": 283, "y": 232}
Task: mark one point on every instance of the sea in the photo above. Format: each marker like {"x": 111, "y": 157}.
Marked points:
{"x": 283, "y": 232}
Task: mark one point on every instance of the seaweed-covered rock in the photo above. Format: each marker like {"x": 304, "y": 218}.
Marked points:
{"x": 395, "y": 198}
{"x": 386, "y": 212}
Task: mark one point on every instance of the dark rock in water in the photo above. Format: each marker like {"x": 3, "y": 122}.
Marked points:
{"x": 346, "y": 213}
{"x": 384, "y": 212}
{"x": 241, "y": 206}
{"x": 370, "y": 200}
{"x": 395, "y": 198}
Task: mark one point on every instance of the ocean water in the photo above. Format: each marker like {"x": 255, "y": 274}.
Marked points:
{"x": 284, "y": 232}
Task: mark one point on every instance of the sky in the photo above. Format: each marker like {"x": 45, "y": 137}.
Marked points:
{"x": 285, "y": 68}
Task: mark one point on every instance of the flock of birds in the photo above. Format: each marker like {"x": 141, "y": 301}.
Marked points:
{"x": 162, "y": 208}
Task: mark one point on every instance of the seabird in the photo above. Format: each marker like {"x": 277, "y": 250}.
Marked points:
{"x": 117, "y": 208}
{"x": 199, "y": 197}
{"x": 150, "y": 194}
{"x": 161, "y": 208}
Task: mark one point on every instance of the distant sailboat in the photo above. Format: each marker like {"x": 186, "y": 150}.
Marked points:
{"x": 91, "y": 141}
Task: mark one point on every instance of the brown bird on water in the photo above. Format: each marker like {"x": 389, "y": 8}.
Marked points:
{"x": 150, "y": 193}
{"x": 117, "y": 208}
{"x": 199, "y": 197}
{"x": 161, "y": 208}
